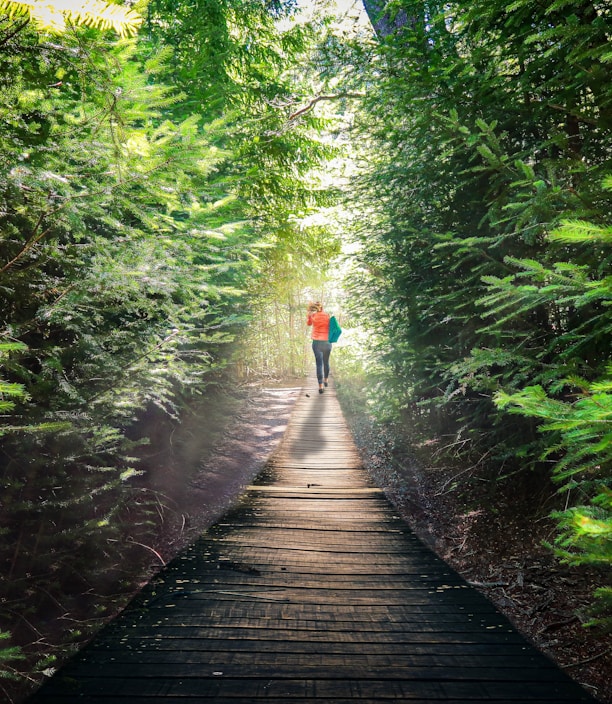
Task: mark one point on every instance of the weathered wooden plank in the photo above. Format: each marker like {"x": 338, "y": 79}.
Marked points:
{"x": 370, "y": 690}
{"x": 210, "y": 646}
{"x": 332, "y": 636}
{"x": 98, "y": 698}
{"x": 194, "y": 626}
{"x": 325, "y": 670}
{"x": 291, "y": 634}
{"x": 336, "y": 613}
{"x": 336, "y": 582}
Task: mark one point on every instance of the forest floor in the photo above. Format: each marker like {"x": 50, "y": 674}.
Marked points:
{"x": 499, "y": 550}
{"x": 500, "y": 553}
{"x": 236, "y": 458}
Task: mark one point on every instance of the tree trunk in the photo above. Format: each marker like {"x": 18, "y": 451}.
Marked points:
{"x": 383, "y": 24}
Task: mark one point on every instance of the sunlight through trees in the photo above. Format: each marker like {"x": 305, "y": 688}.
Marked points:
{"x": 178, "y": 178}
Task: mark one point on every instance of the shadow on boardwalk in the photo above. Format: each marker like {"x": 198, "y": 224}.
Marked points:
{"x": 312, "y": 589}
{"x": 310, "y": 439}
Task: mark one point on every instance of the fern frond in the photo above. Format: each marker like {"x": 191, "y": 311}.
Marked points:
{"x": 51, "y": 15}
{"x": 10, "y": 389}
{"x": 572, "y": 231}
{"x": 12, "y": 347}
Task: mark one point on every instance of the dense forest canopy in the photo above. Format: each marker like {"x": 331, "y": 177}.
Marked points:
{"x": 164, "y": 191}
{"x": 485, "y": 259}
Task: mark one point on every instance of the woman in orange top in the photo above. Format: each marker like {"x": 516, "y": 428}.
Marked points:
{"x": 321, "y": 346}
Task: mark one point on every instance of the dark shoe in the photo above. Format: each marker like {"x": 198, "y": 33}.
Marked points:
{"x": 325, "y": 384}
{"x": 320, "y": 391}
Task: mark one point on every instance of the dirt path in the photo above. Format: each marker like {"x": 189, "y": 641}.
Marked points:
{"x": 247, "y": 443}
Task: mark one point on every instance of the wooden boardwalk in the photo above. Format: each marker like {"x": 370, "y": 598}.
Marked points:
{"x": 312, "y": 589}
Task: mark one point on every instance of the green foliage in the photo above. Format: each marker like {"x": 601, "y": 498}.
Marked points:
{"x": 52, "y": 16}
{"x": 273, "y": 167}
{"x": 9, "y": 391}
{"x": 7, "y": 655}
{"x": 145, "y": 185}
{"x": 581, "y": 436}
{"x": 602, "y": 609}
{"x": 482, "y": 262}
{"x": 582, "y": 425}
{"x": 578, "y": 423}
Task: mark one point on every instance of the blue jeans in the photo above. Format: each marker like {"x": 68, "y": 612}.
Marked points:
{"x": 322, "y": 350}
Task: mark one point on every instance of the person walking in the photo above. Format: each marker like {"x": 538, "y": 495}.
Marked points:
{"x": 321, "y": 346}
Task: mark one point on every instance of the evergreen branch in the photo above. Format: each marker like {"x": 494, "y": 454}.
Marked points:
{"x": 34, "y": 239}
{"x": 579, "y": 117}
{"x": 133, "y": 362}
{"x": 8, "y": 38}
{"x": 318, "y": 98}
{"x": 573, "y": 231}
{"x": 29, "y": 243}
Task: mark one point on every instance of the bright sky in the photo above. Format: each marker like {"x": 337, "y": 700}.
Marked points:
{"x": 350, "y": 11}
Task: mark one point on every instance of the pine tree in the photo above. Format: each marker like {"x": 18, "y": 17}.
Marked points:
{"x": 489, "y": 126}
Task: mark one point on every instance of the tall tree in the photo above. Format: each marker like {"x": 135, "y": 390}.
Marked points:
{"x": 490, "y": 124}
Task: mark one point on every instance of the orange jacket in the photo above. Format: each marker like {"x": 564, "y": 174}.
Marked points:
{"x": 320, "y": 325}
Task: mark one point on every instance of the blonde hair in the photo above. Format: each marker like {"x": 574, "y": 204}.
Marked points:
{"x": 315, "y": 307}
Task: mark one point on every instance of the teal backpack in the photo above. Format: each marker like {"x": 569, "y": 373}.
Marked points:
{"x": 334, "y": 329}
